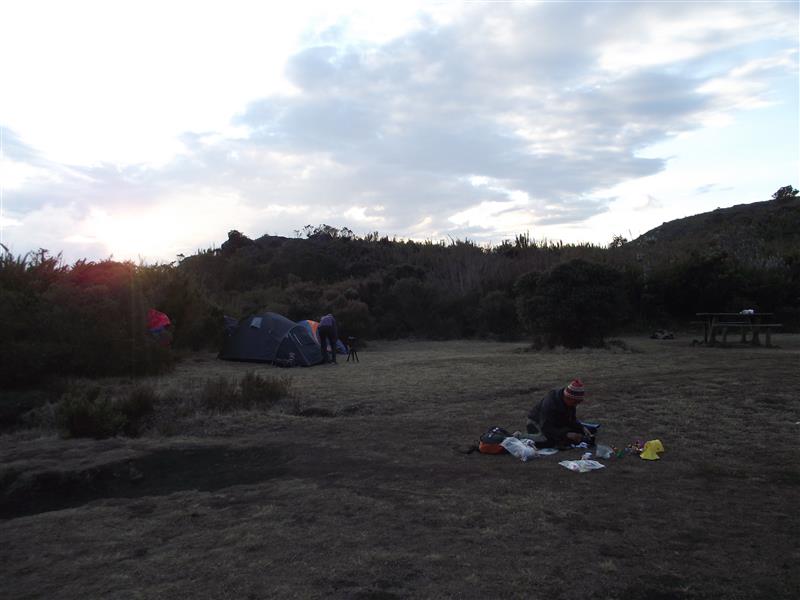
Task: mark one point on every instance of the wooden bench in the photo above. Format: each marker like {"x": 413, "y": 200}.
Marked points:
{"x": 754, "y": 328}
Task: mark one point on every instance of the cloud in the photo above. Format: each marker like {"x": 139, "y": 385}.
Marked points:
{"x": 711, "y": 188}
{"x": 14, "y": 148}
{"x": 654, "y": 203}
{"x": 552, "y": 103}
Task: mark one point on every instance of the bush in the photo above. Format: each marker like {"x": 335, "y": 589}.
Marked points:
{"x": 409, "y": 306}
{"x": 254, "y": 391}
{"x": 137, "y": 407}
{"x": 171, "y": 409}
{"x": 21, "y": 407}
{"x": 259, "y": 391}
{"x": 89, "y": 411}
{"x": 30, "y": 362}
{"x": 196, "y": 320}
{"x": 576, "y": 304}
{"x": 219, "y": 395}
{"x": 496, "y": 315}
{"x": 354, "y": 319}
{"x": 700, "y": 283}
{"x": 85, "y": 320}
{"x": 305, "y": 301}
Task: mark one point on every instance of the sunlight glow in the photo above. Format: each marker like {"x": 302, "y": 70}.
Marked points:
{"x": 161, "y": 231}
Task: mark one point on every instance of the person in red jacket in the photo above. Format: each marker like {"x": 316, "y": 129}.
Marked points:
{"x": 555, "y": 417}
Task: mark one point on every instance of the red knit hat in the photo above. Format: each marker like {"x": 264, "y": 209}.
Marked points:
{"x": 574, "y": 390}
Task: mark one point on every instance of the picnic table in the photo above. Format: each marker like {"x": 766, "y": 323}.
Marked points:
{"x": 716, "y": 323}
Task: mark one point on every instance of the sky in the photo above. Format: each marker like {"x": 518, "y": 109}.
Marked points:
{"x": 143, "y": 130}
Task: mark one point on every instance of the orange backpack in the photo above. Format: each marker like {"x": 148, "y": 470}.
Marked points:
{"x": 490, "y": 442}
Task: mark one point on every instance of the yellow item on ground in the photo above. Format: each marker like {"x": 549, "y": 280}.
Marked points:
{"x": 651, "y": 450}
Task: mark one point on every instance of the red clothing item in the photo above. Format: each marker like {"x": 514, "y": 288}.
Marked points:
{"x": 156, "y": 319}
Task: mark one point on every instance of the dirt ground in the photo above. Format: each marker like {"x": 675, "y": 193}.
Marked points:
{"x": 361, "y": 491}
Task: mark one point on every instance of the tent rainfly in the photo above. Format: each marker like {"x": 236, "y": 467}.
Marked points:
{"x": 270, "y": 337}
{"x": 312, "y": 326}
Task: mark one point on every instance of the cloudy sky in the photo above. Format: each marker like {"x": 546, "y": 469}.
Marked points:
{"x": 147, "y": 129}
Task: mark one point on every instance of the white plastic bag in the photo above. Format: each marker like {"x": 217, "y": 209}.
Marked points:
{"x": 525, "y": 449}
{"x": 604, "y": 451}
{"x": 581, "y": 466}
{"x": 518, "y": 448}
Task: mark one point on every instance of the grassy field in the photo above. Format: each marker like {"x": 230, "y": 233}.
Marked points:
{"x": 355, "y": 487}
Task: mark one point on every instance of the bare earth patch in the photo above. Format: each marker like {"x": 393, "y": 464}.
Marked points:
{"x": 354, "y": 487}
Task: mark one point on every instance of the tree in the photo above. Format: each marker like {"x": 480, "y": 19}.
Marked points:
{"x": 617, "y": 241}
{"x": 576, "y": 304}
{"x": 236, "y": 240}
{"x": 787, "y": 192}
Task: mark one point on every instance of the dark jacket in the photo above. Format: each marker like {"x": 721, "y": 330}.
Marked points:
{"x": 329, "y": 324}
{"x": 554, "y": 418}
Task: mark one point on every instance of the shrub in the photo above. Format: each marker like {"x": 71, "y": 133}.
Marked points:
{"x": 88, "y": 412}
{"x": 169, "y": 414}
{"x": 496, "y": 315}
{"x": 84, "y": 320}
{"x": 354, "y": 319}
{"x": 21, "y": 407}
{"x": 258, "y": 390}
{"x": 254, "y": 391}
{"x": 576, "y": 304}
{"x": 410, "y": 306}
{"x": 137, "y": 408}
{"x": 305, "y": 301}
{"x": 195, "y": 318}
{"x": 44, "y": 417}
{"x": 220, "y": 395}
{"x": 700, "y": 283}
{"x": 28, "y": 362}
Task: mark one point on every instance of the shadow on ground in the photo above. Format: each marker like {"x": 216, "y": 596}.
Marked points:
{"x": 160, "y": 473}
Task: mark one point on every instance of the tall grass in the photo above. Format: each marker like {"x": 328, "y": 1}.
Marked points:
{"x": 91, "y": 411}
{"x": 224, "y": 394}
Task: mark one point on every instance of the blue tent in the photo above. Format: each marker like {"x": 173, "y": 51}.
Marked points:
{"x": 311, "y": 327}
{"x": 270, "y": 337}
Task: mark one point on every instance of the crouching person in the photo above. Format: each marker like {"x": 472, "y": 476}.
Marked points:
{"x": 327, "y": 337}
{"x": 553, "y": 422}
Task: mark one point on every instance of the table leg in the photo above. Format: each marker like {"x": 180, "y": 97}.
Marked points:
{"x": 713, "y": 333}
{"x": 755, "y": 338}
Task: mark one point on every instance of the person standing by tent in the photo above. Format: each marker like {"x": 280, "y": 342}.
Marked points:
{"x": 327, "y": 335}
{"x": 555, "y": 417}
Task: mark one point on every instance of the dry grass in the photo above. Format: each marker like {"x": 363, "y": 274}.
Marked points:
{"x": 351, "y": 489}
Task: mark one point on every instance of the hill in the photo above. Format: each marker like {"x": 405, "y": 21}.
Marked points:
{"x": 753, "y": 234}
